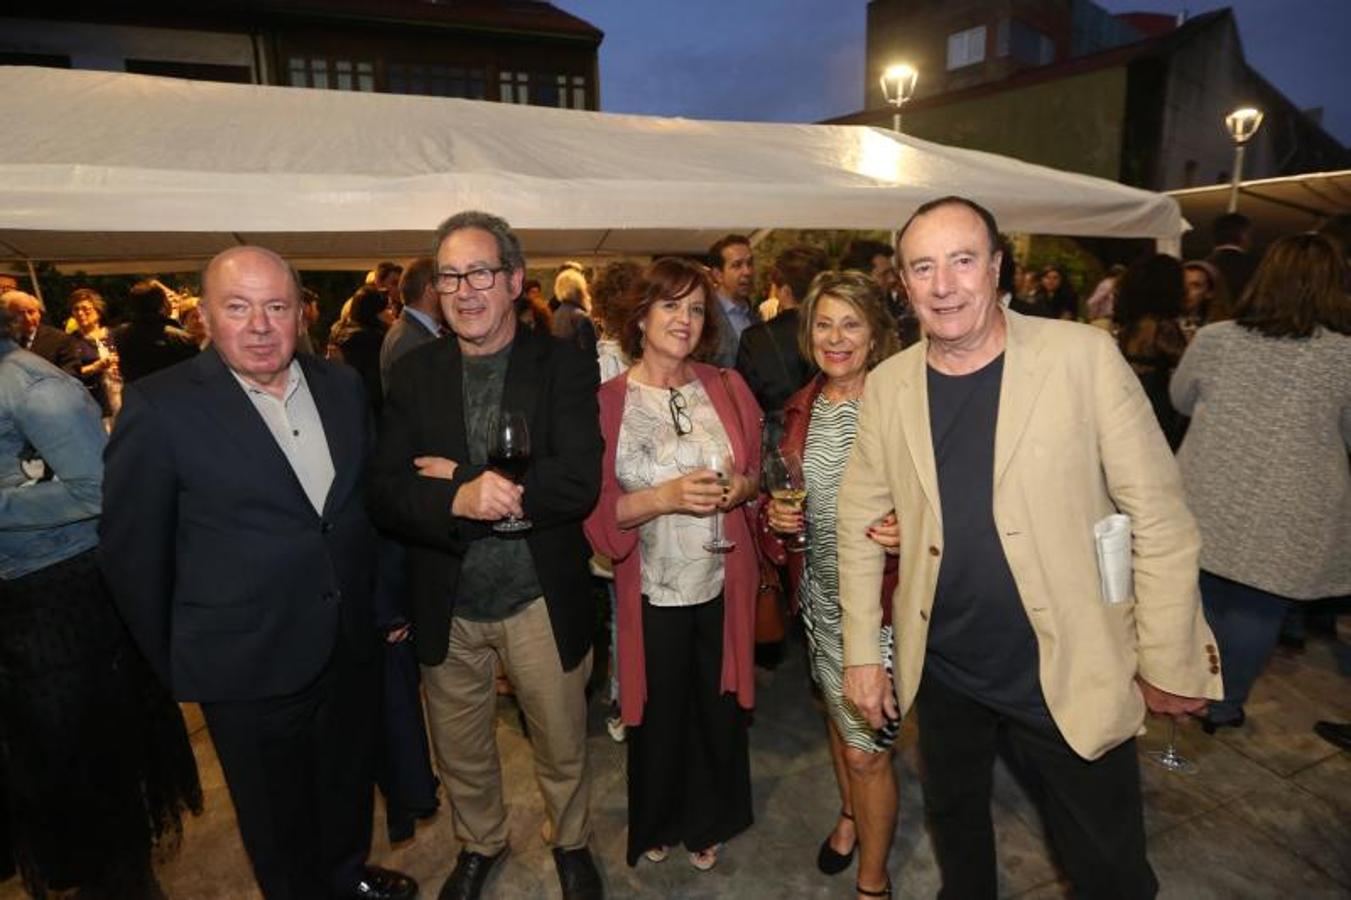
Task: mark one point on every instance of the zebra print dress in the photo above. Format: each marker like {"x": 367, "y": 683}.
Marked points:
{"x": 830, "y": 436}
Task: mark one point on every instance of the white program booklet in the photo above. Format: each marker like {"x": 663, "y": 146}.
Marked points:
{"x": 1112, "y": 536}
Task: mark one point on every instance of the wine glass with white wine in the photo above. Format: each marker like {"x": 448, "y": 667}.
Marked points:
{"x": 782, "y": 470}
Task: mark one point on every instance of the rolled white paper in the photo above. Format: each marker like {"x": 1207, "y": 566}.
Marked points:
{"x": 1112, "y": 536}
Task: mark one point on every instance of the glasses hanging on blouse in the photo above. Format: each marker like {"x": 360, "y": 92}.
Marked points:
{"x": 680, "y": 417}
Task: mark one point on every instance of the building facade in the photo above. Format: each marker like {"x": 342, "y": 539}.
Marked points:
{"x": 1139, "y": 99}
{"x": 511, "y": 51}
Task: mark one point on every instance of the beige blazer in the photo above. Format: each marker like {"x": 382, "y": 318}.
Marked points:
{"x": 1076, "y": 440}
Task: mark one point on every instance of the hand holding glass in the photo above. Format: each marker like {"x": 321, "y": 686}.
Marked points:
{"x": 509, "y": 456}
{"x": 720, "y": 462}
{"x": 782, "y": 471}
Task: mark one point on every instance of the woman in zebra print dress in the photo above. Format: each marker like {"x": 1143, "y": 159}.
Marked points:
{"x": 846, "y": 330}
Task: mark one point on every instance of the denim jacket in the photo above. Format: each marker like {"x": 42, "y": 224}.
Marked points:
{"x": 46, "y": 413}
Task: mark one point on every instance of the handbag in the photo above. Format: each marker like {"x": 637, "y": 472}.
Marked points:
{"x": 770, "y": 619}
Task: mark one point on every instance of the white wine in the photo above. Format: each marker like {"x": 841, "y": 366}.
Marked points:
{"x": 793, "y": 497}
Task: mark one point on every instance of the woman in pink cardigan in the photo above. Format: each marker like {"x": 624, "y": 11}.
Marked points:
{"x": 686, "y": 614}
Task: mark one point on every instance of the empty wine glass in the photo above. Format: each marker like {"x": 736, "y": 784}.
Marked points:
{"x": 782, "y": 472}
{"x": 509, "y": 456}
{"x": 1168, "y": 757}
{"x": 720, "y": 461}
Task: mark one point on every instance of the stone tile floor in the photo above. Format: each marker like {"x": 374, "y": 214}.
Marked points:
{"x": 1268, "y": 814}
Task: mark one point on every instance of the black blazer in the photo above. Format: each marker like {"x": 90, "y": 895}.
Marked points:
{"x": 57, "y": 347}
{"x": 768, "y": 359}
{"x": 232, "y": 584}
{"x": 554, "y": 383}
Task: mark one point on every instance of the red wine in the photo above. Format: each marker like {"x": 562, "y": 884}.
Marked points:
{"x": 510, "y": 465}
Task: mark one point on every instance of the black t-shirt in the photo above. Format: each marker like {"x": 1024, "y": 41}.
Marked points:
{"x": 980, "y": 640}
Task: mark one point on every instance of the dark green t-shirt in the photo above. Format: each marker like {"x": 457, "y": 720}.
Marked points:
{"x": 498, "y": 576}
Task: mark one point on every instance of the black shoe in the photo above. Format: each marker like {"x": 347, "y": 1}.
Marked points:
{"x": 831, "y": 861}
{"x": 471, "y": 873}
{"x": 577, "y": 874}
{"x": 1210, "y": 726}
{"x": 384, "y": 884}
{"x": 1338, "y": 734}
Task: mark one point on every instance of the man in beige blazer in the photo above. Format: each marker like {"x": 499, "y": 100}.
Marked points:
{"x": 1000, "y": 440}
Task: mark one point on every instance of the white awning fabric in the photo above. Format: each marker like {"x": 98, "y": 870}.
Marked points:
{"x": 102, "y": 167}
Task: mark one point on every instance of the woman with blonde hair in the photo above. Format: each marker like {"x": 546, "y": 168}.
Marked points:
{"x": 846, "y": 331}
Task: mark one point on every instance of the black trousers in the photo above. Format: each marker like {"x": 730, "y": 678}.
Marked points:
{"x": 300, "y": 769}
{"x": 689, "y": 762}
{"x": 1092, "y": 810}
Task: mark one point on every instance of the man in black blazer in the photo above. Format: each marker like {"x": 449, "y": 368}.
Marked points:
{"x": 1233, "y": 254}
{"x": 477, "y": 596}
{"x": 34, "y": 335}
{"x": 768, "y": 356}
{"x": 420, "y": 320}
{"x": 237, "y": 545}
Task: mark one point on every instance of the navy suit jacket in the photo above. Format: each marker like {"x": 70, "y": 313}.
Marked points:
{"x": 233, "y": 586}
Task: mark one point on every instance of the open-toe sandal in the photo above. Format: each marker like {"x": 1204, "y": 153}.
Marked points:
{"x": 869, "y": 892}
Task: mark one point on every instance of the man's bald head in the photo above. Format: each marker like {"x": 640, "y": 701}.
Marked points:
{"x": 252, "y": 312}
{"x": 246, "y": 255}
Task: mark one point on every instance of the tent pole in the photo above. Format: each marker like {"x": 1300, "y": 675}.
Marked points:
{"x": 33, "y": 277}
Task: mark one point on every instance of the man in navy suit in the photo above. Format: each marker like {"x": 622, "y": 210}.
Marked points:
{"x": 238, "y": 549}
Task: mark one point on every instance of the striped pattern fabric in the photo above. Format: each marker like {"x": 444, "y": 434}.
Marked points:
{"x": 830, "y": 437}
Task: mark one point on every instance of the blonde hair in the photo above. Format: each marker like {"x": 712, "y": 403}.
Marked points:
{"x": 856, "y": 290}
{"x": 570, "y": 287}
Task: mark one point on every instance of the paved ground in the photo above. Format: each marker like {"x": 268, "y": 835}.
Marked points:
{"x": 1268, "y": 815}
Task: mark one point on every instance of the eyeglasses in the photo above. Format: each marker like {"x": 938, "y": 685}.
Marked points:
{"x": 479, "y": 279}
{"x": 680, "y": 416}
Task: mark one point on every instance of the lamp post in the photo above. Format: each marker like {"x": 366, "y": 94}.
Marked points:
{"x": 1242, "y": 124}
{"x": 898, "y": 86}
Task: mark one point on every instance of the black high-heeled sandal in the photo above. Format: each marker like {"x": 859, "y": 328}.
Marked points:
{"x": 884, "y": 892}
{"x": 832, "y": 862}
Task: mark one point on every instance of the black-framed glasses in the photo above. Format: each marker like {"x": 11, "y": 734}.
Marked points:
{"x": 680, "y": 416}
{"x": 479, "y": 279}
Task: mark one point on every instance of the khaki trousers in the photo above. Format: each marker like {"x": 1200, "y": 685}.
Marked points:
{"x": 461, "y": 707}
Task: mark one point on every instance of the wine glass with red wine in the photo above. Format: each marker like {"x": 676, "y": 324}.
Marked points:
{"x": 509, "y": 456}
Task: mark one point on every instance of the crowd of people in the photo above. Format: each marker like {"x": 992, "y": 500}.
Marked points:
{"x": 943, "y": 443}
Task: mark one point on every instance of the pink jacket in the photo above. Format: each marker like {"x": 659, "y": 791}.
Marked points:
{"x": 742, "y": 419}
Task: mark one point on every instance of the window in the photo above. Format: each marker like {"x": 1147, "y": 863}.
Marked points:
{"x": 966, "y": 48}
{"x": 337, "y": 74}
{"x": 1024, "y": 43}
{"x": 513, "y": 87}
{"x": 435, "y": 80}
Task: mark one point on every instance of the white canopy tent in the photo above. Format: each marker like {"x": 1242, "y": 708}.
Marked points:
{"x": 107, "y": 170}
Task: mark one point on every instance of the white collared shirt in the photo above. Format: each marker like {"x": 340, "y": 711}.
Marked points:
{"x": 298, "y": 430}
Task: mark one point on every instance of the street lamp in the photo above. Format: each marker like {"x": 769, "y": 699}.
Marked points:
{"x": 1242, "y": 124}
{"x": 898, "y": 86}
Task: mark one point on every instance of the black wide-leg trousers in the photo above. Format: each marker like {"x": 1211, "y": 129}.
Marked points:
{"x": 689, "y": 769}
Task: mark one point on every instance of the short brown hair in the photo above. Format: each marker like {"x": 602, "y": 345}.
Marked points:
{"x": 715, "y": 259}
{"x": 667, "y": 278}
{"x": 416, "y": 276}
{"x": 859, "y": 291}
{"x": 1299, "y": 287}
{"x": 90, "y": 296}
{"x": 797, "y": 266}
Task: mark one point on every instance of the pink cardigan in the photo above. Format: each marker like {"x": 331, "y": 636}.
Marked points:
{"x": 742, "y": 568}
